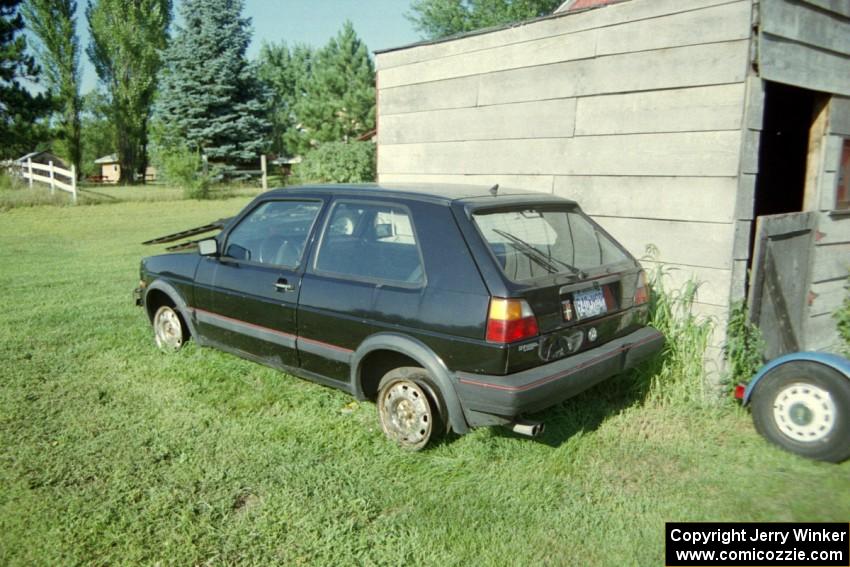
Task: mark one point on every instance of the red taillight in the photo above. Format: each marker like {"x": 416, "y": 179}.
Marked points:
{"x": 641, "y": 291}
{"x": 510, "y": 320}
{"x": 740, "y": 390}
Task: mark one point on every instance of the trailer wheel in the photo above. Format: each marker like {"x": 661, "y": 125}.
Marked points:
{"x": 804, "y": 407}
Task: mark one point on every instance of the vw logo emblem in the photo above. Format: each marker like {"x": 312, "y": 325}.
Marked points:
{"x": 592, "y": 334}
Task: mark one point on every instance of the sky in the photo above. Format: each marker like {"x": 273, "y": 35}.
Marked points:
{"x": 379, "y": 23}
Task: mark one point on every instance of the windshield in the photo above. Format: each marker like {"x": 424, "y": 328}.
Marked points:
{"x": 533, "y": 242}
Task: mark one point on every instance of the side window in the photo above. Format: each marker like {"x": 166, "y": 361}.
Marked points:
{"x": 273, "y": 233}
{"x": 371, "y": 241}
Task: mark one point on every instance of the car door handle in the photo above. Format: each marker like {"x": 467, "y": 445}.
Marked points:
{"x": 283, "y": 285}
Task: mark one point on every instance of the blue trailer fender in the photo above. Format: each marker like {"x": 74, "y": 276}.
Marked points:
{"x": 835, "y": 361}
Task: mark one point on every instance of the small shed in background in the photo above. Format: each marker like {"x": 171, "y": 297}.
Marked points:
{"x": 110, "y": 169}
{"x": 691, "y": 125}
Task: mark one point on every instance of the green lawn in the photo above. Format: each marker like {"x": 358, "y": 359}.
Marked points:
{"x": 112, "y": 453}
{"x": 16, "y": 194}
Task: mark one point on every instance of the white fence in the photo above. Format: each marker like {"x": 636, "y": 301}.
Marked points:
{"x": 50, "y": 175}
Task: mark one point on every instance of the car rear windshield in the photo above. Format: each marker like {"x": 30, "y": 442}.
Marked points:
{"x": 531, "y": 242}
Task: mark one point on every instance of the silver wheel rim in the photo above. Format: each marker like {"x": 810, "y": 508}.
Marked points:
{"x": 406, "y": 414}
{"x": 804, "y": 412}
{"x": 167, "y": 329}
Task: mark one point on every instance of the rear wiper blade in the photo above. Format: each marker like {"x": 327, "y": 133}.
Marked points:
{"x": 542, "y": 259}
{"x": 530, "y": 251}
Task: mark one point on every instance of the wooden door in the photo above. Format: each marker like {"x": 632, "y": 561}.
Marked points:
{"x": 780, "y": 279}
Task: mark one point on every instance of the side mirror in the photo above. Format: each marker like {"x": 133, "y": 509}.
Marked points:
{"x": 208, "y": 247}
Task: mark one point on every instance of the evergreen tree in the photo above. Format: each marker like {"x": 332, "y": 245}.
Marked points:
{"x": 20, "y": 111}
{"x": 211, "y": 98}
{"x": 128, "y": 37}
{"x": 286, "y": 72}
{"x": 441, "y": 18}
{"x": 339, "y": 103}
{"x": 54, "y": 23}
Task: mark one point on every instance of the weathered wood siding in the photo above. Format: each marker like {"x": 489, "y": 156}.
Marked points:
{"x": 830, "y": 265}
{"x": 806, "y": 43}
{"x": 635, "y": 110}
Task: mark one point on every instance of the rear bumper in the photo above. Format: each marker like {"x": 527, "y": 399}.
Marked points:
{"x": 544, "y": 386}
{"x": 138, "y": 296}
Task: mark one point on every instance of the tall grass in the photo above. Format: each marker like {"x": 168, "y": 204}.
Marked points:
{"x": 842, "y": 322}
{"x": 744, "y": 347}
{"x": 677, "y": 375}
{"x": 15, "y": 193}
{"x": 7, "y": 182}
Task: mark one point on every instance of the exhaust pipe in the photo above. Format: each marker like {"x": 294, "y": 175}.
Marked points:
{"x": 525, "y": 427}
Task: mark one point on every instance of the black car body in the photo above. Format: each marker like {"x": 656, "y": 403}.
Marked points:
{"x": 344, "y": 285}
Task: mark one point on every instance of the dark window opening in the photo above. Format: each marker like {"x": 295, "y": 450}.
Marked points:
{"x": 792, "y": 120}
{"x": 784, "y": 148}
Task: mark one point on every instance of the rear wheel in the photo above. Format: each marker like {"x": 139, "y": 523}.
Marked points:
{"x": 169, "y": 330}
{"x": 804, "y": 407}
{"x": 410, "y": 409}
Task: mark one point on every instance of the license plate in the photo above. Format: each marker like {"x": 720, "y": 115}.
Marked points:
{"x": 589, "y": 303}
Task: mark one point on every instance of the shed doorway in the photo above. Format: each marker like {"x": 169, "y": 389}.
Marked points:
{"x": 789, "y": 115}
{"x": 782, "y": 234}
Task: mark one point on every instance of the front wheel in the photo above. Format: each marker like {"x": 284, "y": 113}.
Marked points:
{"x": 409, "y": 408}
{"x": 169, "y": 330}
{"x": 804, "y": 407}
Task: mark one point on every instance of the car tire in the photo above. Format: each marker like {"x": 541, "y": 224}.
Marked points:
{"x": 410, "y": 408}
{"x": 169, "y": 329}
{"x": 804, "y": 407}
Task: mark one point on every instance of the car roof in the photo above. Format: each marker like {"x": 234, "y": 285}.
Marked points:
{"x": 434, "y": 192}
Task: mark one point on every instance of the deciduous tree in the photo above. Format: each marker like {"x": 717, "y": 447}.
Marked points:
{"x": 128, "y": 37}
{"x": 339, "y": 162}
{"x": 97, "y": 132}
{"x": 441, "y": 18}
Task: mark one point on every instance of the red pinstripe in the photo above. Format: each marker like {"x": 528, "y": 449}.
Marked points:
{"x": 275, "y": 331}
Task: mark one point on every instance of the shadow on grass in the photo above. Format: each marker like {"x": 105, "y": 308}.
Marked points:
{"x": 675, "y": 376}
{"x": 587, "y": 411}
{"x": 88, "y": 192}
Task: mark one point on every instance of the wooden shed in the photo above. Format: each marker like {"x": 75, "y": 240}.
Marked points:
{"x": 110, "y": 170}
{"x": 712, "y": 129}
